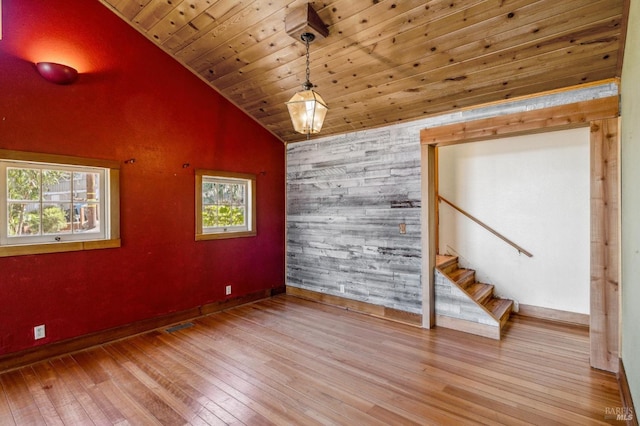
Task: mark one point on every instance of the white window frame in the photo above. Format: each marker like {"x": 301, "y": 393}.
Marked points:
{"x": 221, "y": 232}
{"x": 109, "y": 232}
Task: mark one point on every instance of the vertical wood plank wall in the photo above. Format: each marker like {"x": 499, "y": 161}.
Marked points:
{"x": 604, "y": 244}
{"x": 346, "y": 199}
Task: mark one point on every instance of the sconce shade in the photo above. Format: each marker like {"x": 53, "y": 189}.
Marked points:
{"x": 307, "y": 110}
{"x": 57, "y": 73}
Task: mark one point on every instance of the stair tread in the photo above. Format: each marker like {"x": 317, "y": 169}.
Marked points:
{"x": 446, "y": 264}
{"x": 462, "y": 277}
{"x": 460, "y": 274}
{"x": 480, "y": 291}
{"x": 499, "y": 307}
{"x": 442, "y": 261}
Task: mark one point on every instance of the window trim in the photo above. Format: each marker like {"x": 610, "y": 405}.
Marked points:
{"x": 200, "y": 235}
{"x": 112, "y": 239}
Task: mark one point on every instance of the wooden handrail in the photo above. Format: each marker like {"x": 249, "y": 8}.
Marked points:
{"x": 487, "y": 227}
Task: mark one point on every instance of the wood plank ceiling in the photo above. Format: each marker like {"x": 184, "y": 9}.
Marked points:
{"x": 385, "y": 61}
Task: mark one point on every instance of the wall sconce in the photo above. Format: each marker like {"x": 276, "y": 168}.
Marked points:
{"x": 57, "y": 73}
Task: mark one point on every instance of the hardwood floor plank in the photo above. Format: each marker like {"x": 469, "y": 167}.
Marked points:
{"x": 560, "y": 372}
{"x": 261, "y": 401}
{"x": 414, "y": 383}
{"x": 134, "y": 414}
{"x": 6, "y": 418}
{"x": 187, "y": 382}
{"x": 291, "y": 361}
{"x": 378, "y": 392}
{"x": 214, "y": 397}
{"x": 314, "y": 398}
{"x": 77, "y": 373}
{"x": 140, "y": 392}
{"x": 90, "y": 367}
{"x": 42, "y": 401}
{"x": 19, "y": 398}
{"x": 121, "y": 390}
{"x": 140, "y": 366}
{"x": 64, "y": 401}
{"x": 71, "y": 374}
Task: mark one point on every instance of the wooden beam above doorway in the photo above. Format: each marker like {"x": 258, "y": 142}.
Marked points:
{"x": 578, "y": 114}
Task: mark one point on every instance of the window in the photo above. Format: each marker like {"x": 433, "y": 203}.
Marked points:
{"x": 225, "y": 205}
{"x": 51, "y": 203}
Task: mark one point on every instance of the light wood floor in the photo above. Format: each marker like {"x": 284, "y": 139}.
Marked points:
{"x": 290, "y": 361}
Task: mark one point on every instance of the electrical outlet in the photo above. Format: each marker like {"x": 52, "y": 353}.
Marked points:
{"x": 341, "y": 288}
{"x": 403, "y": 228}
{"x": 227, "y": 290}
{"x": 38, "y": 332}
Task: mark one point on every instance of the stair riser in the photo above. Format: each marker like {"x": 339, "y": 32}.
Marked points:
{"x": 448, "y": 268}
{"x": 485, "y": 298}
{"x": 499, "y": 308}
{"x": 467, "y": 280}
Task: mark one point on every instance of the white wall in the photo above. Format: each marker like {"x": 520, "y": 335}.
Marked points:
{"x": 630, "y": 200}
{"x": 534, "y": 190}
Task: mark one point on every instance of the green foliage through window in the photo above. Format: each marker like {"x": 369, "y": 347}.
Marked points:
{"x": 42, "y": 201}
{"x": 24, "y": 188}
{"x": 223, "y": 203}
{"x": 223, "y": 216}
{"x": 50, "y": 203}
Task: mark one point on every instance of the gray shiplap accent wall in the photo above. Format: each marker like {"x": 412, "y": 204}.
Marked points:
{"x": 347, "y": 195}
{"x": 346, "y": 198}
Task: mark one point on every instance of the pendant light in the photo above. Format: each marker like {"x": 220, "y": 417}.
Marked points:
{"x": 307, "y": 108}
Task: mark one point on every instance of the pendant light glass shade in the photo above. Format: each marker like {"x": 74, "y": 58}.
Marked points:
{"x": 307, "y": 110}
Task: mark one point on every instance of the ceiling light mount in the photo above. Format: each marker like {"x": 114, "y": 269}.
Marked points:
{"x": 305, "y": 20}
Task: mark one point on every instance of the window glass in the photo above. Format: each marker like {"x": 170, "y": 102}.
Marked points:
{"x": 45, "y": 202}
{"x": 225, "y": 204}
{"x": 50, "y": 203}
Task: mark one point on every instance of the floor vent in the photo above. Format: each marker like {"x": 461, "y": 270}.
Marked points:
{"x": 179, "y": 327}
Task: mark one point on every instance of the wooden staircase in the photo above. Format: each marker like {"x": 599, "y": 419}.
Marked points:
{"x": 464, "y": 304}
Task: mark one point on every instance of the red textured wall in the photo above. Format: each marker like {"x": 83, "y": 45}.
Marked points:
{"x": 131, "y": 101}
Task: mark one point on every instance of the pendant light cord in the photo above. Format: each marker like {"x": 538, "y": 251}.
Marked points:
{"x": 308, "y": 72}
{"x": 307, "y": 38}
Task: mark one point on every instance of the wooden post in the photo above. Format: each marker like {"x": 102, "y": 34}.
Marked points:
{"x": 428, "y": 220}
{"x": 436, "y": 207}
{"x": 605, "y": 303}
